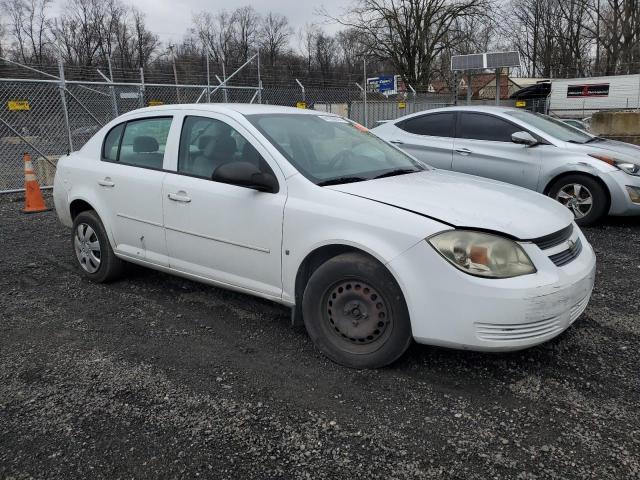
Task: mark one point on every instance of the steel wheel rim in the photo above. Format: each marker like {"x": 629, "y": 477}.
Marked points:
{"x": 577, "y": 198}
{"x": 87, "y": 247}
{"x": 357, "y": 316}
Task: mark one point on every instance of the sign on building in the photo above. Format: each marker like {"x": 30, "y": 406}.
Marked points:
{"x": 588, "y": 90}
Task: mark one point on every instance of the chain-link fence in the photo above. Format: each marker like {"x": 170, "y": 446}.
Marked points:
{"x": 48, "y": 118}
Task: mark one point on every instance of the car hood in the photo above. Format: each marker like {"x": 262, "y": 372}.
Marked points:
{"x": 464, "y": 200}
{"x": 625, "y": 151}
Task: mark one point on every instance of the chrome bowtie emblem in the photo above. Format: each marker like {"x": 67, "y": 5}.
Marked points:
{"x": 571, "y": 244}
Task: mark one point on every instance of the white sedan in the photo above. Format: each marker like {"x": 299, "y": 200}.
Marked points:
{"x": 369, "y": 247}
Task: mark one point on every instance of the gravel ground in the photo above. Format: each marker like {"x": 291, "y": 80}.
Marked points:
{"x": 156, "y": 376}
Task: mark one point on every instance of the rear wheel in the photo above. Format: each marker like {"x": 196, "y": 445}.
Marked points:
{"x": 583, "y": 195}
{"x": 355, "y": 313}
{"x": 92, "y": 249}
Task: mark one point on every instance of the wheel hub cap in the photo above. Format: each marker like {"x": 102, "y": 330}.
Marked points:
{"x": 577, "y": 198}
{"x": 356, "y": 312}
{"x": 87, "y": 248}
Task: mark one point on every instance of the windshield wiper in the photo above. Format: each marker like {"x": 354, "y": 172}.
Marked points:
{"x": 399, "y": 171}
{"x": 595, "y": 139}
{"x": 339, "y": 180}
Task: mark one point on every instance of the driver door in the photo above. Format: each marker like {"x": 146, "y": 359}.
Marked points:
{"x": 226, "y": 233}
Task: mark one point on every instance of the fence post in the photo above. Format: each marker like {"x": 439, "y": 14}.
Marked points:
{"x": 414, "y": 94}
{"x": 224, "y": 80}
{"x": 112, "y": 89}
{"x": 498, "y": 73}
{"x": 208, "y": 76}
{"x": 364, "y": 92}
{"x": 304, "y": 95}
{"x": 63, "y": 99}
{"x": 142, "y": 92}
{"x": 259, "y": 80}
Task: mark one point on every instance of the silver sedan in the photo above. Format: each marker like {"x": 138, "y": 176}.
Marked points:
{"x": 590, "y": 175}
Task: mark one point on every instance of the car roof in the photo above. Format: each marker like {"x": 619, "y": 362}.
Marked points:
{"x": 228, "y": 108}
{"x": 494, "y": 109}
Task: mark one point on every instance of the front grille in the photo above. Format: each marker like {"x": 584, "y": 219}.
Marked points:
{"x": 567, "y": 255}
{"x": 522, "y": 331}
{"x": 553, "y": 239}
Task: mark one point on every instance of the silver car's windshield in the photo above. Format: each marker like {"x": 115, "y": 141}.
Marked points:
{"x": 555, "y": 128}
{"x": 330, "y": 150}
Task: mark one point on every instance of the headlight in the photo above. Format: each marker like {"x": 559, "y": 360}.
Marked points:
{"x": 627, "y": 167}
{"x": 482, "y": 254}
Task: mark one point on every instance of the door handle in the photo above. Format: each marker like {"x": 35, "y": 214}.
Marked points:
{"x": 463, "y": 151}
{"x": 179, "y": 197}
{"x": 396, "y": 142}
{"x": 106, "y": 182}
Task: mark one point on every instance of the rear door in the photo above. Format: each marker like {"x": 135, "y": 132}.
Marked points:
{"x": 483, "y": 147}
{"x": 427, "y": 137}
{"x": 130, "y": 184}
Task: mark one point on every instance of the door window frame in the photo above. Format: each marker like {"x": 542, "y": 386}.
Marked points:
{"x": 434, "y": 114}
{"x": 514, "y": 124}
{"x": 249, "y": 136}
{"x": 124, "y": 128}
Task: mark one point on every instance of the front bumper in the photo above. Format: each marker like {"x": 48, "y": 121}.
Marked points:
{"x": 453, "y": 309}
{"x": 617, "y": 183}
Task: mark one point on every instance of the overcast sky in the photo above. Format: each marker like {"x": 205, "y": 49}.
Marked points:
{"x": 170, "y": 19}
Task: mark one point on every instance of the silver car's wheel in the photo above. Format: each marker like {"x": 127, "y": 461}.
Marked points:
{"x": 577, "y": 198}
{"x": 87, "y": 247}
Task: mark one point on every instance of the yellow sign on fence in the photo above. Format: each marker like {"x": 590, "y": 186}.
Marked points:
{"x": 521, "y": 103}
{"x": 301, "y": 105}
{"x": 155, "y": 103}
{"x": 402, "y": 105}
{"x": 18, "y": 105}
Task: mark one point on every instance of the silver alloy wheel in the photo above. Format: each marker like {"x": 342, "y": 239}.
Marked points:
{"x": 87, "y": 246}
{"x": 577, "y": 198}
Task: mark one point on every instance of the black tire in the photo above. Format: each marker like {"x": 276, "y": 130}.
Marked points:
{"x": 599, "y": 197}
{"x": 355, "y": 313}
{"x": 108, "y": 267}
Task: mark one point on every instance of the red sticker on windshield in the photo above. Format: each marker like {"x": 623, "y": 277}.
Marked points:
{"x": 362, "y": 128}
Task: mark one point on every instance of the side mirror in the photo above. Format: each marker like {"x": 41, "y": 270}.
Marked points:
{"x": 523, "y": 138}
{"x": 245, "y": 174}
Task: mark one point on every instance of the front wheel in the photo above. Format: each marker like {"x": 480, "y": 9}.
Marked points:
{"x": 355, "y": 313}
{"x": 583, "y": 195}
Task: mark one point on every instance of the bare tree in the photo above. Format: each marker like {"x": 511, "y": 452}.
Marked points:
{"x": 274, "y": 35}
{"x": 351, "y": 48}
{"x": 216, "y": 32}
{"x": 409, "y": 33}
{"x": 246, "y": 22}
{"x": 307, "y": 39}
{"x": 28, "y": 28}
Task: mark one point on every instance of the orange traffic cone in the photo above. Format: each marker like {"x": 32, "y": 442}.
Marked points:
{"x": 33, "y": 201}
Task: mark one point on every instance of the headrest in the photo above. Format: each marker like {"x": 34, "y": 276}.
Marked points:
{"x": 145, "y": 144}
{"x": 222, "y": 148}
{"x": 204, "y": 141}
{"x": 250, "y": 154}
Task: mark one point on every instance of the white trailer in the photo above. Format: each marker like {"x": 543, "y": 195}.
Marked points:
{"x": 581, "y": 97}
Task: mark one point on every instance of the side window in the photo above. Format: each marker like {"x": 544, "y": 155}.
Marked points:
{"x": 207, "y": 143}
{"x": 144, "y": 141}
{"x": 112, "y": 143}
{"x": 434, "y": 125}
{"x": 478, "y": 126}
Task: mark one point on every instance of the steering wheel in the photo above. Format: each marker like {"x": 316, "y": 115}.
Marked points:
{"x": 341, "y": 157}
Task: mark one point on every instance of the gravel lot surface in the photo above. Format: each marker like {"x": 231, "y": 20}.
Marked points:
{"x": 159, "y": 377}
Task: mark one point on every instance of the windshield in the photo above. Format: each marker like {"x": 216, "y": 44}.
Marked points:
{"x": 552, "y": 127}
{"x": 328, "y": 149}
